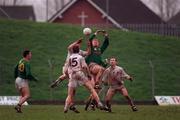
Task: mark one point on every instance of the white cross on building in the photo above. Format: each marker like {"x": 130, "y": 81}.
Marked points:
{"x": 82, "y": 17}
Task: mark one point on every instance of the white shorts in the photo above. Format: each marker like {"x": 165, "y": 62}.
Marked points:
{"x": 116, "y": 87}
{"x": 20, "y": 83}
{"x": 77, "y": 79}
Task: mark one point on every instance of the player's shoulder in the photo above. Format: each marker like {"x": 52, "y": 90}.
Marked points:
{"x": 77, "y": 56}
{"x": 23, "y": 61}
{"x": 118, "y": 67}
{"x": 81, "y": 51}
{"x": 108, "y": 69}
{"x": 74, "y": 54}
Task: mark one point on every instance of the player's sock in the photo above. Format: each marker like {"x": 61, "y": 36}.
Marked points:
{"x": 93, "y": 107}
{"x": 134, "y": 108}
{"x": 94, "y": 104}
{"x": 108, "y": 106}
{"x": 101, "y": 106}
{"x": 18, "y": 108}
{"x": 66, "y": 107}
{"x": 87, "y": 104}
{"x": 73, "y": 108}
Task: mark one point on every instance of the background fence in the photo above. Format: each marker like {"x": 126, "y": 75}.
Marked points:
{"x": 150, "y": 78}
{"x": 161, "y": 29}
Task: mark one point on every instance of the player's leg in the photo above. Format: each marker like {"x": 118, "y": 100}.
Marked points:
{"x": 56, "y": 82}
{"x": 108, "y": 98}
{"x": 61, "y": 77}
{"x": 23, "y": 88}
{"x": 93, "y": 101}
{"x": 90, "y": 98}
{"x": 124, "y": 92}
{"x": 18, "y": 106}
{"x": 69, "y": 104}
{"x": 72, "y": 104}
{"x": 18, "y": 87}
{"x": 103, "y": 91}
{"x": 25, "y": 92}
{"x": 88, "y": 102}
{"x": 69, "y": 99}
{"x": 97, "y": 72}
{"x": 25, "y": 95}
{"x": 99, "y": 75}
{"x": 94, "y": 94}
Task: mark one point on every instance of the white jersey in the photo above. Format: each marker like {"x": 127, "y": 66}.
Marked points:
{"x": 81, "y": 52}
{"x": 76, "y": 63}
{"x": 65, "y": 68}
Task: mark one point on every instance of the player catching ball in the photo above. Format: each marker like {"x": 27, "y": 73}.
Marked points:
{"x": 95, "y": 62}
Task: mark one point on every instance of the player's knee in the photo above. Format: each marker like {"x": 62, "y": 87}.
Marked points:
{"x": 28, "y": 96}
{"x": 92, "y": 91}
{"x": 126, "y": 96}
{"x": 107, "y": 99}
{"x": 69, "y": 99}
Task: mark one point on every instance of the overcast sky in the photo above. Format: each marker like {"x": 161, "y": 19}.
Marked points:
{"x": 39, "y": 6}
{"x": 152, "y": 4}
{"x": 53, "y": 5}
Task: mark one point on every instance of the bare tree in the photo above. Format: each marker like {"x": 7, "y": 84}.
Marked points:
{"x": 58, "y": 4}
{"x": 171, "y": 7}
{"x": 9, "y": 2}
{"x": 167, "y": 8}
{"x": 14, "y": 2}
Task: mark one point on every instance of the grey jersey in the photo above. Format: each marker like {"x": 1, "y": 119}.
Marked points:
{"x": 115, "y": 76}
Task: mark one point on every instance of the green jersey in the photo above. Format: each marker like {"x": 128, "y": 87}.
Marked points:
{"x": 96, "y": 52}
{"x": 23, "y": 70}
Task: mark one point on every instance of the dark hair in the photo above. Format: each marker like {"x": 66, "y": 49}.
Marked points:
{"x": 75, "y": 49}
{"x": 113, "y": 58}
{"x": 26, "y": 52}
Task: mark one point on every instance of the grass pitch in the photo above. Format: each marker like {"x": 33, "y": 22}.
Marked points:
{"x": 120, "y": 112}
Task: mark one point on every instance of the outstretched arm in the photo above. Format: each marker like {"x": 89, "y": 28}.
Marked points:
{"x": 92, "y": 37}
{"x": 16, "y": 71}
{"x": 106, "y": 42}
{"x": 96, "y": 33}
{"x": 74, "y": 43}
{"x": 126, "y": 76}
{"x": 28, "y": 73}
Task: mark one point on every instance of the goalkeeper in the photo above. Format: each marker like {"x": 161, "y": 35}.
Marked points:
{"x": 94, "y": 60}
